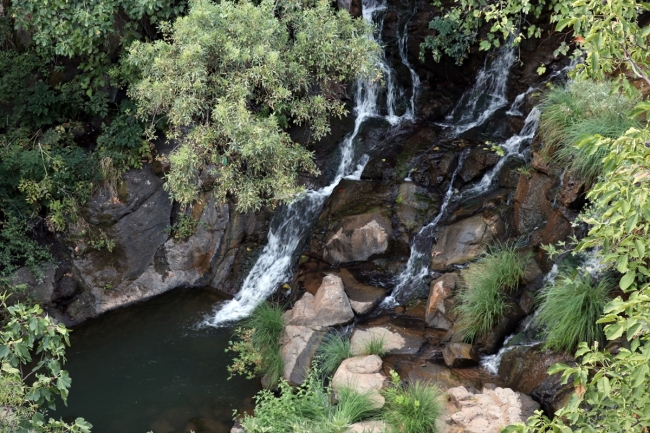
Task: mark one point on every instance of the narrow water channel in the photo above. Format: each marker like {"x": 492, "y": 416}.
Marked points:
{"x": 149, "y": 368}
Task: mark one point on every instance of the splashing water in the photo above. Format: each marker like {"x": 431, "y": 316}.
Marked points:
{"x": 486, "y": 96}
{"x": 293, "y": 222}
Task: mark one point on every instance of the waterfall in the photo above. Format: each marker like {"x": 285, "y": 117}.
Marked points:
{"x": 292, "y": 222}
{"x": 402, "y": 41}
{"x": 486, "y": 96}
{"x": 417, "y": 266}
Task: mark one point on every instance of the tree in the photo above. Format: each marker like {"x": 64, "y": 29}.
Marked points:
{"x": 231, "y": 76}
{"x": 29, "y": 385}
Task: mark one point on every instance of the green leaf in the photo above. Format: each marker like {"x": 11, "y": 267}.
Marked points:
{"x": 627, "y": 280}
{"x": 612, "y": 332}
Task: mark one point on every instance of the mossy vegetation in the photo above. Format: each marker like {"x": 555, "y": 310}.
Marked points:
{"x": 483, "y": 301}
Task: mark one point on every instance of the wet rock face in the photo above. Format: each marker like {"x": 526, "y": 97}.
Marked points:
{"x": 460, "y": 355}
{"x": 525, "y": 369}
{"x": 465, "y": 240}
{"x": 363, "y": 297}
{"x": 329, "y": 307}
{"x": 488, "y": 411}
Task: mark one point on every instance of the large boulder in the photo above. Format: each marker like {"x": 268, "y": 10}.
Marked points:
{"x": 299, "y": 345}
{"x": 436, "y": 314}
{"x": 395, "y": 340}
{"x": 363, "y": 297}
{"x": 488, "y": 411}
{"x": 414, "y": 205}
{"x": 362, "y": 374}
{"x": 358, "y": 237}
{"x": 524, "y": 368}
{"x": 460, "y": 355}
{"x": 465, "y": 240}
{"x": 329, "y": 307}
{"x": 38, "y": 284}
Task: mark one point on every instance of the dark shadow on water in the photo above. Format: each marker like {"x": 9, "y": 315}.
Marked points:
{"x": 148, "y": 367}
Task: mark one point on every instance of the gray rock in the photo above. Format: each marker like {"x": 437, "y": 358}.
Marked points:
{"x": 361, "y": 373}
{"x": 299, "y": 345}
{"x": 460, "y": 355}
{"x": 38, "y": 288}
{"x": 396, "y": 341}
{"x": 358, "y": 237}
{"x": 329, "y": 307}
{"x": 465, "y": 240}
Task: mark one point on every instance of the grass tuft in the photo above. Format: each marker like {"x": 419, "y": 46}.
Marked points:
{"x": 569, "y": 309}
{"x": 577, "y": 111}
{"x": 412, "y": 407}
{"x": 483, "y": 301}
{"x": 375, "y": 345}
{"x": 334, "y": 350}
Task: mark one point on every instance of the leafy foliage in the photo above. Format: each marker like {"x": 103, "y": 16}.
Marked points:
{"x": 332, "y": 351}
{"x": 412, "y": 407}
{"x": 227, "y": 74}
{"x": 307, "y": 409}
{"x": 453, "y": 37}
{"x": 17, "y": 249}
{"x": 32, "y": 351}
{"x": 257, "y": 344}
{"x": 570, "y": 308}
{"x": 578, "y": 111}
{"x": 484, "y": 299}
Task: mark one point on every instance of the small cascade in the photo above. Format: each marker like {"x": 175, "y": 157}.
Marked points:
{"x": 402, "y": 42}
{"x": 291, "y": 223}
{"x": 515, "y": 107}
{"x": 417, "y": 266}
{"x": 486, "y": 96}
{"x": 515, "y": 146}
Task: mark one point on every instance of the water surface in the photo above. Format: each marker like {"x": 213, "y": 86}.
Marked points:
{"x": 148, "y": 367}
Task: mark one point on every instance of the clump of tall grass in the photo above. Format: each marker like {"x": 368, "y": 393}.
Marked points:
{"x": 257, "y": 344}
{"x": 579, "y": 110}
{"x": 483, "y": 301}
{"x": 569, "y": 309}
{"x": 334, "y": 350}
{"x": 308, "y": 408}
{"x": 375, "y": 345}
{"x": 413, "y": 407}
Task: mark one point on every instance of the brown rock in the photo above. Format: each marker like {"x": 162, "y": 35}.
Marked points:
{"x": 358, "y": 237}
{"x": 465, "y": 240}
{"x": 396, "y": 341}
{"x": 440, "y": 290}
{"x": 299, "y": 345}
{"x": 363, "y": 297}
{"x": 459, "y": 355}
{"x": 329, "y": 307}
{"x": 361, "y": 373}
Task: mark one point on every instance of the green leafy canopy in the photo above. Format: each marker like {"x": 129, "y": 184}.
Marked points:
{"x": 228, "y": 74}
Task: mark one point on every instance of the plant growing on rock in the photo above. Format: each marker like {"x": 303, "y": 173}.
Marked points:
{"x": 307, "y": 409}
{"x": 334, "y": 350}
{"x": 256, "y": 344}
{"x": 578, "y": 111}
{"x": 483, "y": 301}
{"x": 413, "y": 407}
{"x": 570, "y": 308}
{"x": 375, "y": 345}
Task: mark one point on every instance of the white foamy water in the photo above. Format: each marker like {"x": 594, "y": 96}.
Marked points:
{"x": 293, "y": 222}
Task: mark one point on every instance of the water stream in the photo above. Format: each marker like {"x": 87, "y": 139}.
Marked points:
{"x": 293, "y": 222}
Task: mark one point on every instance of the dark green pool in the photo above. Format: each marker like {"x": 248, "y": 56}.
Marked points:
{"x": 149, "y": 368}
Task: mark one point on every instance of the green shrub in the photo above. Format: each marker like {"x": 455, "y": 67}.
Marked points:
{"x": 569, "y": 309}
{"x": 17, "y": 249}
{"x": 375, "y": 345}
{"x": 334, "y": 350}
{"x": 582, "y": 109}
{"x": 257, "y": 344}
{"x": 411, "y": 408}
{"x": 307, "y": 409}
{"x": 484, "y": 299}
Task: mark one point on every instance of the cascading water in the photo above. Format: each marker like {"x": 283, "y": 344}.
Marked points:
{"x": 486, "y": 96}
{"x": 294, "y": 221}
{"x": 415, "y": 79}
{"x": 417, "y": 266}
